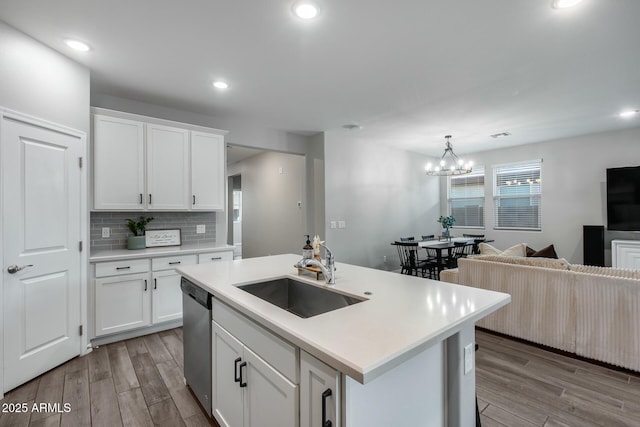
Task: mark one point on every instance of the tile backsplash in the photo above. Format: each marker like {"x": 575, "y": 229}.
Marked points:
{"x": 117, "y": 222}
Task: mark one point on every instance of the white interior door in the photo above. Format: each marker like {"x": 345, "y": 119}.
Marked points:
{"x": 40, "y": 232}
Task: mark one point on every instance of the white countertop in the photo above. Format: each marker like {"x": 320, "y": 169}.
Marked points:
{"x": 120, "y": 254}
{"x": 403, "y": 316}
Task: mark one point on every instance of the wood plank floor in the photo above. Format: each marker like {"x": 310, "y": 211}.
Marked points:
{"x": 524, "y": 385}
{"x": 137, "y": 382}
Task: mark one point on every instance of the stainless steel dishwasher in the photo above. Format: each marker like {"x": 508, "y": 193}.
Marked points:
{"x": 196, "y": 330}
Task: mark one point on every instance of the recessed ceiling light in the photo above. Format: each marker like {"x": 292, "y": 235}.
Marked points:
{"x": 563, "y": 4}
{"x": 220, "y": 84}
{"x": 629, "y": 113}
{"x": 305, "y": 9}
{"x": 77, "y": 45}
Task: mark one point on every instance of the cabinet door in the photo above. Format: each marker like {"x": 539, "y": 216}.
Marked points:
{"x": 118, "y": 163}
{"x": 315, "y": 379}
{"x": 207, "y": 171}
{"x": 167, "y": 296}
{"x": 122, "y": 303}
{"x": 226, "y": 395}
{"x": 270, "y": 399}
{"x": 167, "y": 168}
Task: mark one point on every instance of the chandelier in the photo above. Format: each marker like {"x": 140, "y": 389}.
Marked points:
{"x": 450, "y": 164}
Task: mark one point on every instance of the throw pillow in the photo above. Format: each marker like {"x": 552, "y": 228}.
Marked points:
{"x": 548, "y": 252}
{"x": 530, "y": 251}
{"x": 515, "y": 250}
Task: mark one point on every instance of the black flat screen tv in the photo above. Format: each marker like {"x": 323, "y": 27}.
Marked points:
{"x": 623, "y": 199}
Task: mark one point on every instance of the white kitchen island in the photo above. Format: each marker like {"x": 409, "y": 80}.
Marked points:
{"x": 396, "y": 359}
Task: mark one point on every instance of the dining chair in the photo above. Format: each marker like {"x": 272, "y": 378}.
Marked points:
{"x": 477, "y": 238}
{"x": 407, "y": 239}
{"x": 429, "y": 237}
{"x": 457, "y": 252}
{"x": 431, "y": 262}
{"x": 410, "y": 261}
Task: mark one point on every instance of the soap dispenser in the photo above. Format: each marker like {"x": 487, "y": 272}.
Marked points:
{"x": 307, "y": 250}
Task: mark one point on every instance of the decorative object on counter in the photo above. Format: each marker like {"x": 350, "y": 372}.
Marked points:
{"x": 316, "y": 247}
{"x": 450, "y": 164}
{"x": 447, "y": 223}
{"x": 307, "y": 249}
{"x": 157, "y": 238}
{"x": 137, "y": 241}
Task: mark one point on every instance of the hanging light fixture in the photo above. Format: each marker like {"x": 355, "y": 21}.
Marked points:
{"x": 450, "y": 164}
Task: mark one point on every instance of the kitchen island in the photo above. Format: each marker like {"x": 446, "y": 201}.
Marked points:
{"x": 404, "y": 356}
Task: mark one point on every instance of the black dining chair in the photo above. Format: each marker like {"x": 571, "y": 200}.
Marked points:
{"x": 407, "y": 239}
{"x": 478, "y": 238}
{"x": 457, "y": 252}
{"x": 410, "y": 261}
{"x": 429, "y": 237}
{"x": 431, "y": 262}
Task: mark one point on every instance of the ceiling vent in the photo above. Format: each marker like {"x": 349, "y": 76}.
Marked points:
{"x": 500, "y": 135}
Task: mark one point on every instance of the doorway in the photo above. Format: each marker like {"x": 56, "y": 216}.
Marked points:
{"x": 267, "y": 201}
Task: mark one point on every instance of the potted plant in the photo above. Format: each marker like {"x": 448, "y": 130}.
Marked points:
{"x": 447, "y": 223}
{"x": 138, "y": 228}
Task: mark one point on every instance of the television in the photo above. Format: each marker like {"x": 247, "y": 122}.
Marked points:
{"x": 623, "y": 199}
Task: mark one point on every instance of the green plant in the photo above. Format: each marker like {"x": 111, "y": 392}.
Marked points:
{"x": 447, "y": 221}
{"x": 138, "y": 227}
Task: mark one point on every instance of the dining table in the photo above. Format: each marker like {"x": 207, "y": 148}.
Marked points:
{"x": 447, "y": 245}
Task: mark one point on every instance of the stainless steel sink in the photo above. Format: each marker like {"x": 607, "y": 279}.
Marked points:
{"x": 300, "y": 298}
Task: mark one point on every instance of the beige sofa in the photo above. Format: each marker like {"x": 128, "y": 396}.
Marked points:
{"x": 593, "y": 312}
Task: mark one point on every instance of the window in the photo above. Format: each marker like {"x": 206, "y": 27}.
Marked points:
{"x": 237, "y": 205}
{"x": 517, "y": 196}
{"x": 466, "y": 198}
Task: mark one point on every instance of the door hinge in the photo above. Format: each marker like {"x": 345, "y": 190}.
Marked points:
{"x": 80, "y": 245}
{"x": 80, "y": 162}
{"x": 80, "y": 330}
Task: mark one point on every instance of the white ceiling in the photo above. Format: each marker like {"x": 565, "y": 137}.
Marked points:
{"x": 409, "y": 72}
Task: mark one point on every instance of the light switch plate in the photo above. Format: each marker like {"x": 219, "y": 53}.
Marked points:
{"x": 342, "y": 224}
{"x": 332, "y": 224}
{"x": 468, "y": 358}
{"x": 106, "y": 232}
{"x": 201, "y": 228}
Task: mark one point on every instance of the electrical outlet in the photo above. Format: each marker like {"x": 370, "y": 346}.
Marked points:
{"x": 468, "y": 358}
{"x": 201, "y": 229}
{"x": 106, "y": 232}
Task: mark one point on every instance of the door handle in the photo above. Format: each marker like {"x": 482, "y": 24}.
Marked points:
{"x": 13, "y": 269}
{"x": 325, "y": 395}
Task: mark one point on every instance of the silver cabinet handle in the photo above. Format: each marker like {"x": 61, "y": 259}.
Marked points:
{"x": 13, "y": 269}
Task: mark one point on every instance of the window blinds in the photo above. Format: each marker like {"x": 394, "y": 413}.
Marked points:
{"x": 517, "y": 196}
{"x": 466, "y": 198}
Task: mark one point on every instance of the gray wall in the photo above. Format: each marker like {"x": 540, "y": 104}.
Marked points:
{"x": 314, "y": 193}
{"x": 272, "y": 222}
{"x": 39, "y": 81}
{"x": 117, "y": 222}
{"x": 573, "y": 188}
{"x": 382, "y": 193}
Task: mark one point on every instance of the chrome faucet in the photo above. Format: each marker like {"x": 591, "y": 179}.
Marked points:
{"x": 328, "y": 269}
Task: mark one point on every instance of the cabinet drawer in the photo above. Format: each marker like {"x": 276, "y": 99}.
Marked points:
{"x": 116, "y": 268}
{"x": 277, "y": 352}
{"x": 169, "y": 263}
{"x": 215, "y": 256}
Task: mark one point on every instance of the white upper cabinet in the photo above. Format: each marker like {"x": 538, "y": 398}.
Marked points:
{"x": 142, "y": 166}
{"x": 118, "y": 165}
{"x": 167, "y": 168}
{"x": 207, "y": 171}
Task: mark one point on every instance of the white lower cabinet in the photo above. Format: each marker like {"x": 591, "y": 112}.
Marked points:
{"x": 122, "y": 303}
{"x": 319, "y": 393}
{"x": 166, "y": 296}
{"x": 247, "y": 391}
